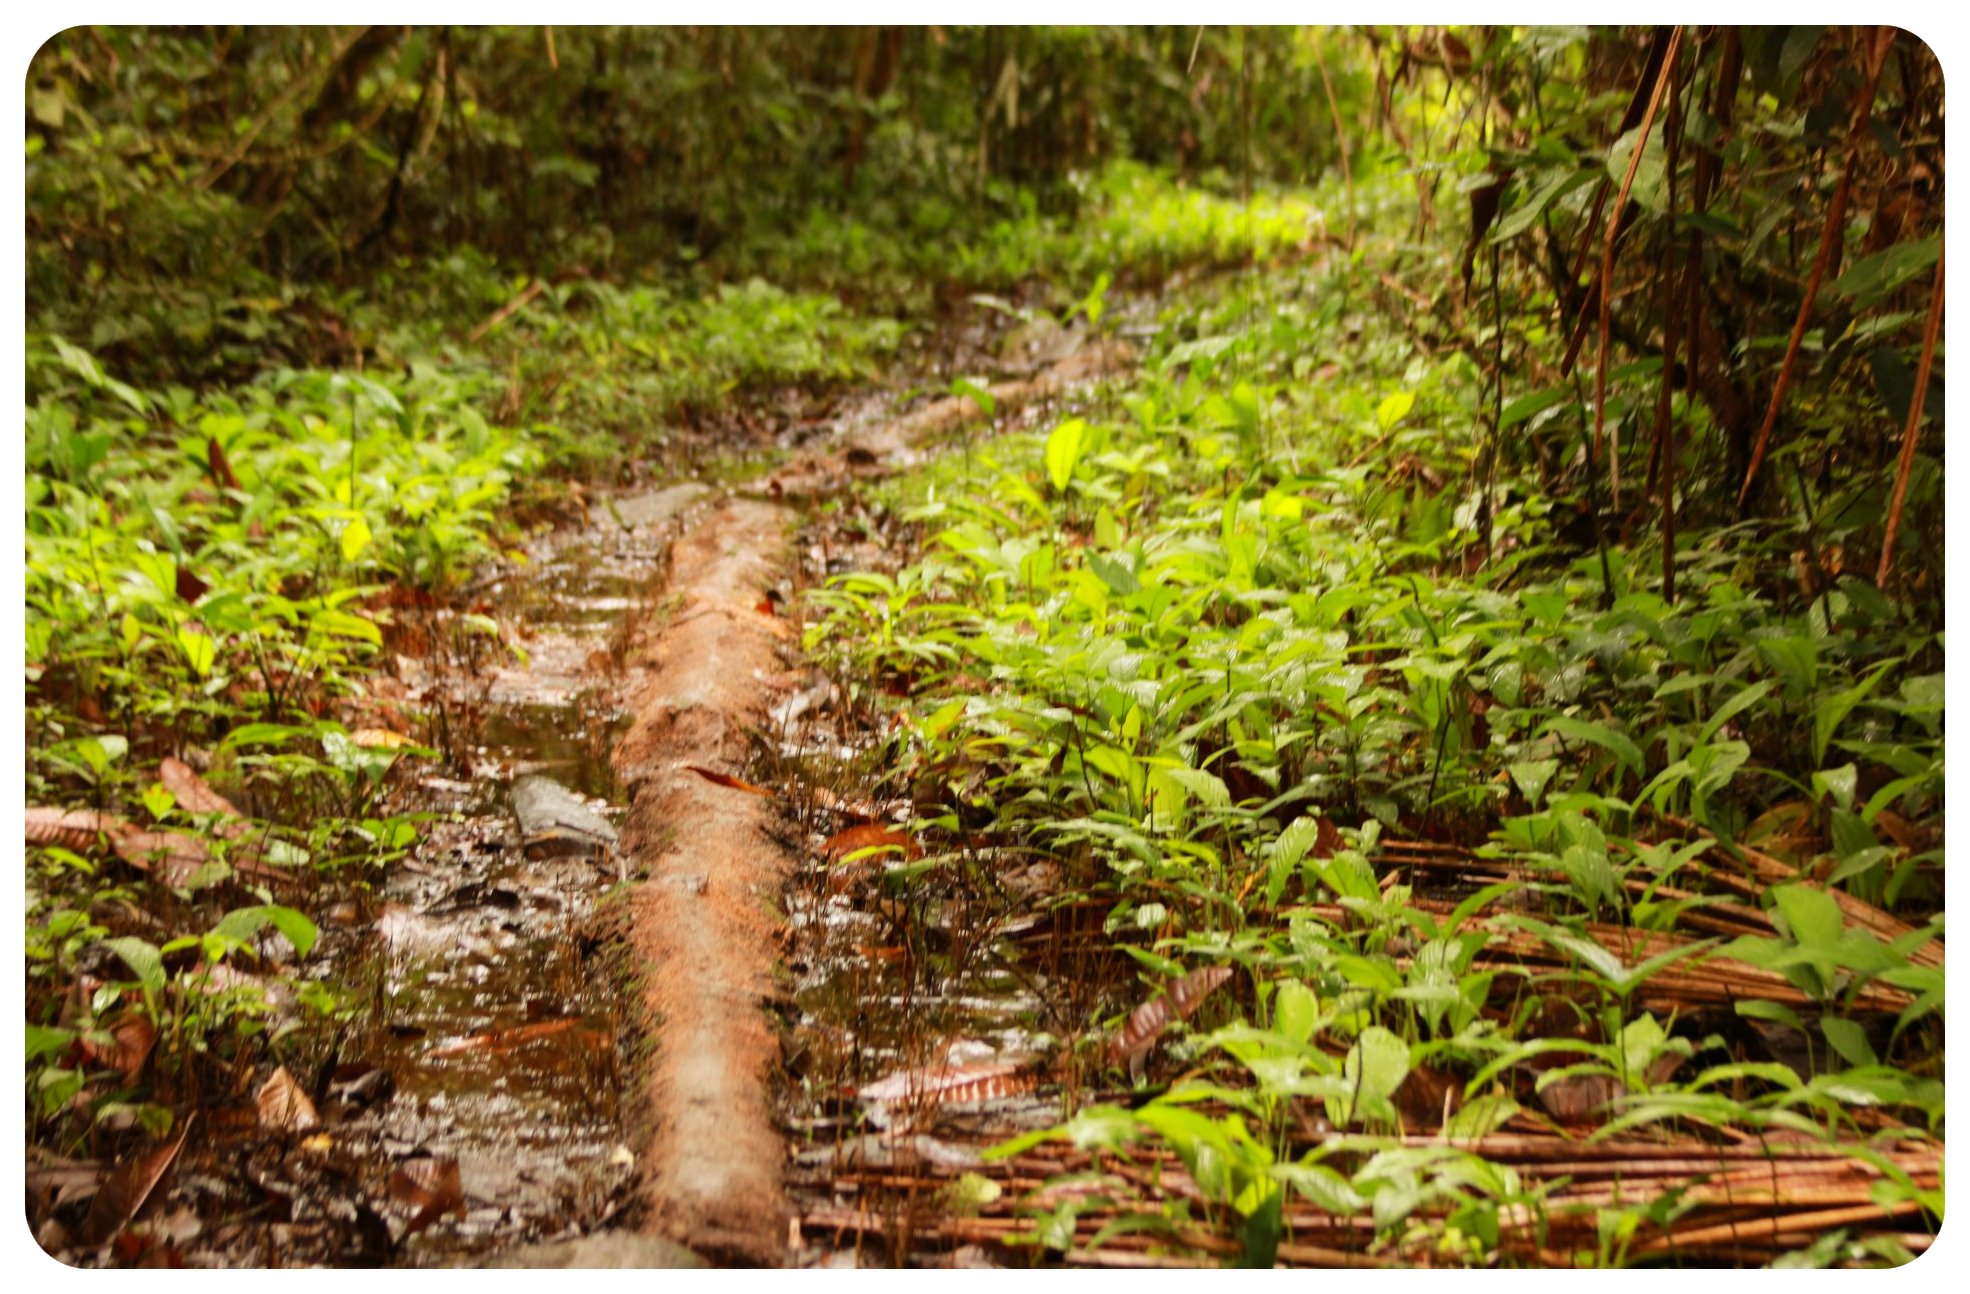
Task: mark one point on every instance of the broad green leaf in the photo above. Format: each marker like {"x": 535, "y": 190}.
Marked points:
{"x": 1532, "y": 775}
{"x": 1840, "y": 783}
{"x": 1848, "y": 1039}
{"x": 1064, "y": 452}
{"x": 343, "y": 624}
{"x": 1209, "y": 788}
{"x": 1829, "y": 712}
{"x": 198, "y": 648}
{"x": 143, "y": 959}
{"x": 43, "y": 1041}
{"x": 355, "y": 538}
{"x": 1810, "y": 914}
{"x": 1375, "y": 1066}
{"x": 1115, "y": 573}
{"x": 1295, "y": 1010}
{"x": 1552, "y": 187}
{"x": 1394, "y": 409}
{"x": 1599, "y": 734}
{"x": 158, "y": 801}
{"x": 1744, "y": 698}
{"x": 1873, "y": 277}
{"x": 241, "y": 924}
{"x": 1298, "y": 837}
{"x": 1533, "y": 403}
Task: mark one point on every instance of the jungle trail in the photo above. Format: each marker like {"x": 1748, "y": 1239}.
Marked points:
{"x": 1119, "y": 647}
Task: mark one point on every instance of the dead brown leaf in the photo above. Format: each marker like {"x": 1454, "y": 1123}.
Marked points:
{"x": 222, "y": 470}
{"x": 70, "y": 828}
{"x": 283, "y": 1106}
{"x": 129, "y": 1188}
{"x": 942, "y": 1085}
{"x": 508, "y": 1039}
{"x": 190, "y": 587}
{"x": 1176, "y": 1003}
{"x": 427, "y": 1187}
{"x": 169, "y": 856}
{"x": 193, "y": 793}
{"x": 129, "y": 1045}
{"x": 871, "y": 835}
{"x": 726, "y": 779}
{"x": 380, "y": 739}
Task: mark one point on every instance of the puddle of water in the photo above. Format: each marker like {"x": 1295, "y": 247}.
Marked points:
{"x": 499, "y": 1028}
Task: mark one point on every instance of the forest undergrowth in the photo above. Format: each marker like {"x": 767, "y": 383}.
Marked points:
{"x": 1472, "y": 698}
{"x": 1514, "y": 907}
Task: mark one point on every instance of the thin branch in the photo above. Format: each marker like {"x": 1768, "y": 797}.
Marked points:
{"x": 281, "y": 100}
{"x": 1341, "y": 135}
{"x": 1607, "y": 263}
{"x": 1835, "y": 227}
{"x": 1910, "y": 431}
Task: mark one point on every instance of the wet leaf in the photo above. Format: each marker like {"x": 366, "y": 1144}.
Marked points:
{"x": 726, "y": 779}
{"x": 1156, "y": 1015}
{"x": 427, "y": 1187}
{"x": 283, "y": 1106}
{"x": 508, "y": 1039}
{"x": 943, "y": 1085}
{"x": 129, "y": 1187}
{"x": 870, "y": 836}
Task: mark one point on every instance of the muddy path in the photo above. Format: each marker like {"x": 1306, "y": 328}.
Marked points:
{"x": 716, "y": 673}
{"x": 587, "y": 1033}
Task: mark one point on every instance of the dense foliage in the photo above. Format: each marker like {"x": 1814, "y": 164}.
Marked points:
{"x": 1552, "y": 466}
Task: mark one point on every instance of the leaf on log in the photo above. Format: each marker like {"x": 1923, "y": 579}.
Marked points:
{"x": 427, "y": 1187}
{"x": 871, "y": 835}
{"x": 944, "y": 1085}
{"x": 283, "y": 1106}
{"x": 1156, "y": 1015}
{"x": 726, "y": 779}
{"x": 128, "y": 1188}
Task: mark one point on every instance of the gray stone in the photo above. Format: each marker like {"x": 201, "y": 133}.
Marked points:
{"x": 602, "y": 1249}
{"x": 658, "y": 506}
{"x": 555, "y": 822}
